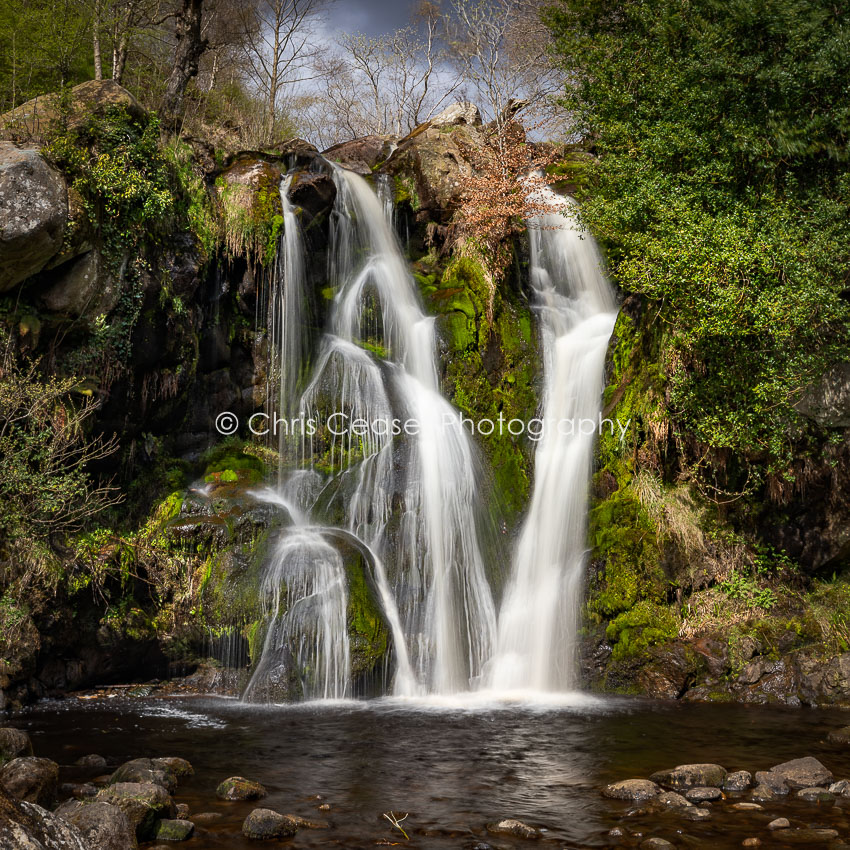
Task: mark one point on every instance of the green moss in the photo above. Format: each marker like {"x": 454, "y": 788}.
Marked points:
{"x": 644, "y": 625}
{"x": 368, "y": 633}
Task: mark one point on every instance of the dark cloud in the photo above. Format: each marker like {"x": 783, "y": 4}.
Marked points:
{"x": 372, "y": 17}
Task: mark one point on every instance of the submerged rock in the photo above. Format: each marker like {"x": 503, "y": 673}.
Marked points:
{"x": 815, "y": 795}
{"x": 266, "y": 824}
{"x": 672, "y": 800}
{"x": 143, "y": 802}
{"x": 703, "y": 794}
{"x": 174, "y": 830}
{"x": 839, "y": 736}
{"x": 174, "y": 765}
{"x": 804, "y": 772}
{"x": 32, "y": 779}
{"x": 511, "y": 826}
{"x": 655, "y": 844}
{"x": 103, "y": 825}
{"x": 14, "y": 743}
{"x": 765, "y": 794}
{"x": 809, "y": 836}
{"x": 738, "y": 780}
{"x": 239, "y": 788}
{"x": 779, "y": 823}
{"x": 635, "y": 790}
{"x": 840, "y": 788}
{"x": 142, "y": 770}
{"x": 683, "y": 777}
{"x": 92, "y": 760}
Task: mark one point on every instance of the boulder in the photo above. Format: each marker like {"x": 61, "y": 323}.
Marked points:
{"x": 779, "y": 823}
{"x": 32, "y": 779}
{"x": 102, "y": 825}
{"x": 26, "y": 826}
{"x": 35, "y": 119}
{"x": 266, "y": 824}
{"x": 815, "y": 795}
{"x": 143, "y": 802}
{"x": 772, "y": 781}
{"x": 839, "y": 736}
{"x": 694, "y": 813}
{"x": 635, "y": 790}
{"x": 802, "y": 773}
{"x": 516, "y": 828}
{"x": 33, "y": 213}
{"x": 738, "y": 780}
{"x": 766, "y": 794}
{"x": 672, "y": 800}
{"x": 702, "y": 794}
{"x": 142, "y": 770}
{"x": 84, "y": 286}
{"x": 461, "y": 112}
{"x": 13, "y": 744}
{"x": 363, "y": 154}
{"x": 174, "y": 830}
{"x": 173, "y": 764}
{"x": 840, "y": 788}
{"x": 239, "y": 788}
{"x": 687, "y": 776}
{"x": 92, "y": 760}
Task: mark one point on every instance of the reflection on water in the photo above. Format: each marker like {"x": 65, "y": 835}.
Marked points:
{"x": 454, "y": 766}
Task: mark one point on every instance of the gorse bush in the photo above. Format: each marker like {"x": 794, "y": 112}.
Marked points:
{"x": 722, "y": 193}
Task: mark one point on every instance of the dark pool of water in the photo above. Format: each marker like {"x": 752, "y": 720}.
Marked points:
{"x": 451, "y": 769}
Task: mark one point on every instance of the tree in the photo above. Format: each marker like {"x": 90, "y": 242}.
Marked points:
{"x": 187, "y": 53}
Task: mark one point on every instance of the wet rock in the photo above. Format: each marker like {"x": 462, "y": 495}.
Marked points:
{"x": 14, "y": 743}
{"x": 361, "y": 155}
{"x": 805, "y": 772}
{"x": 779, "y": 823}
{"x": 32, "y": 779}
{"x": 738, "y": 780}
{"x": 773, "y": 781}
{"x": 102, "y": 825}
{"x": 765, "y": 794}
{"x": 695, "y": 813}
{"x": 239, "y": 788}
{"x": 141, "y": 770}
{"x": 174, "y": 765}
{"x": 26, "y": 826}
{"x": 840, "y": 788}
{"x": 686, "y": 776}
{"x": 325, "y": 807}
{"x": 33, "y": 212}
{"x": 746, "y": 807}
{"x": 304, "y": 823}
{"x": 144, "y": 803}
{"x": 751, "y": 842}
{"x": 182, "y": 811}
{"x": 839, "y": 736}
{"x": 174, "y": 830}
{"x": 635, "y": 790}
{"x": 83, "y": 287}
{"x": 815, "y": 795}
{"x": 83, "y": 791}
{"x": 92, "y": 760}
{"x": 206, "y": 818}
{"x": 672, "y": 800}
{"x": 809, "y": 836}
{"x": 266, "y": 824}
{"x": 655, "y": 844}
{"x": 703, "y": 794}
{"x": 516, "y": 828}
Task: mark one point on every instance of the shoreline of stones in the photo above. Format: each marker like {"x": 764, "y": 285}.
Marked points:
{"x": 689, "y": 790}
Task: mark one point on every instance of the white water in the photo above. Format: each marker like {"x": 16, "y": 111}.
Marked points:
{"x": 538, "y": 621}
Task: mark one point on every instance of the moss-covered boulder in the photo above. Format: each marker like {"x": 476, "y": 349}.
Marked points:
{"x": 144, "y": 804}
{"x": 239, "y": 788}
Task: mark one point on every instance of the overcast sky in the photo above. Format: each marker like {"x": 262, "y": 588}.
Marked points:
{"x": 369, "y": 16}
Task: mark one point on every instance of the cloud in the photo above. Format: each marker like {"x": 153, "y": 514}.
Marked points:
{"x": 372, "y": 17}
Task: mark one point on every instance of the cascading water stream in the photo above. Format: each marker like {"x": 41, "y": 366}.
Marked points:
{"x": 538, "y": 620}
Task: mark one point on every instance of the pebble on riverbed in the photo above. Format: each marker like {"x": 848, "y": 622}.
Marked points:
{"x": 240, "y": 788}
{"x": 779, "y": 823}
{"x": 516, "y": 828}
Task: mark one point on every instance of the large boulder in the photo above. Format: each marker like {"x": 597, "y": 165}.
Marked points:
{"x": 14, "y": 743}
{"x": 239, "y": 788}
{"x": 83, "y": 287}
{"x": 361, "y": 155}
{"x": 802, "y": 773}
{"x": 26, "y": 826}
{"x": 683, "y": 777}
{"x": 32, "y": 779}
{"x": 102, "y": 825}
{"x": 143, "y": 770}
{"x": 267, "y": 824}
{"x": 143, "y": 802}
{"x": 634, "y": 790}
{"x": 461, "y": 112}
{"x": 33, "y": 212}
{"x": 35, "y": 119}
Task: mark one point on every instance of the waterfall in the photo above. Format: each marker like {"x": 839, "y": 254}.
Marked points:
{"x": 377, "y": 362}
{"x": 538, "y": 620}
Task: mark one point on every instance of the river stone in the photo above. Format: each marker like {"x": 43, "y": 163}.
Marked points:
{"x": 139, "y": 770}
{"x": 239, "y": 788}
{"x": 84, "y": 791}
{"x": 840, "y": 788}
{"x": 266, "y": 824}
{"x": 773, "y": 781}
{"x": 182, "y": 810}
{"x": 739, "y": 780}
{"x": 683, "y": 777}
{"x": 206, "y": 818}
{"x": 747, "y": 807}
{"x": 635, "y": 790}
{"x": 33, "y": 212}
{"x": 805, "y": 772}
{"x": 815, "y": 795}
{"x": 751, "y": 842}
{"x": 26, "y": 826}
{"x": 655, "y": 844}
{"x": 765, "y": 794}
{"x": 694, "y": 813}
{"x": 144, "y": 803}
{"x": 839, "y": 736}
{"x": 303, "y": 823}
{"x": 511, "y": 826}
{"x": 14, "y": 743}
{"x": 779, "y": 823}
{"x": 174, "y": 830}
{"x": 703, "y": 794}
{"x": 104, "y": 826}
{"x": 32, "y": 779}
{"x": 672, "y": 799}
{"x": 809, "y": 836}
{"x": 174, "y": 765}
{"x": 92, "y": 760}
